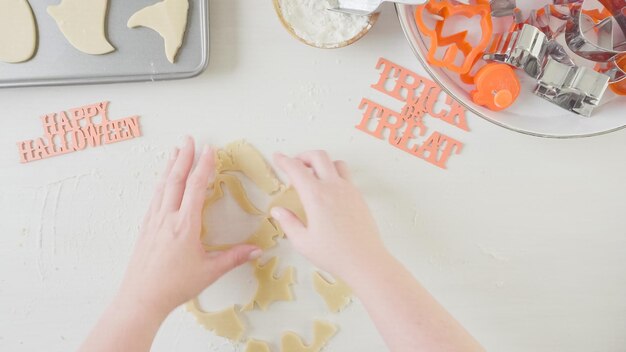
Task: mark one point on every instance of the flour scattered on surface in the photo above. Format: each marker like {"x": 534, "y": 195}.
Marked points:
{"x": 311, "y": 21}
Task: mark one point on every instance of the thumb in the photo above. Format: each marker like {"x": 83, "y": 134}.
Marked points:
{"x": 289, "y": 222}
{"x": 233, "y": 257}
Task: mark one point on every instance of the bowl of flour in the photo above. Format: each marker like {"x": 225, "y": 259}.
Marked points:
{"x": 311, "y": 23}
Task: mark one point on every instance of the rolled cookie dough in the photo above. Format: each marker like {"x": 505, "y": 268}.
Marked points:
{"x": 18, "y": 31}
{"x": 83, "y": 24}
{"x": 169, "y": 19}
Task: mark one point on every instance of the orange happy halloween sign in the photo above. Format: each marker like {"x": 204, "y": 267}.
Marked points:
{"x": 407, "y": 129}
{"x": 76, "y": 129}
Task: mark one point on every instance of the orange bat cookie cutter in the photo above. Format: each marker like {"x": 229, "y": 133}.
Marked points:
{"x": 442, "y": 10}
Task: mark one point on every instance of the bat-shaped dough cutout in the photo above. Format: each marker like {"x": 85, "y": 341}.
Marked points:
{"x": 169, "y": 19}
{"x": 18, "y": 31}
{"x": 83, "y": 23}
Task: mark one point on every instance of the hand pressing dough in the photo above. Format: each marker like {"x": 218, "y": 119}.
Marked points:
{"x": 263, "y": 237}
{"x": 18, "y": 31}
{"x": 257, "y": 346}
{"x": 169, "y": 19}
{"x": 322, "y": 332}
{"x": 83, "y": 24}
{"x": 289, "y": 200}
{"x": 225, "y": 323}
{"x": 242, "y": 157}
{"x": 271, "y": 288}
{"x": 336, "y": 295}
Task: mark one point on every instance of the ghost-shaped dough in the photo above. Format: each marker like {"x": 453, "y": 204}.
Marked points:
{"x": 18, "y": 32}
{"x": 337, "y": 295}
{"x": 169, "y": 19}
{"x": 257, "y": 346}
{"x": 83, "y": 24}
{"x": 322, "y": 333}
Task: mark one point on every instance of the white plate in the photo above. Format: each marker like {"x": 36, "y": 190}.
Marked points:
{"x": 529, "y": 114}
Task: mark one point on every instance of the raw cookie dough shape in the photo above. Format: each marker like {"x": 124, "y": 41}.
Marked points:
{"x": 18, "y": 31}
{"x": 257, "y": 346}
{"x": 169, "y": 19}
{"x": 225, "y": 323}
{"x": 322, "y": 333}
{"x": 83, "y": 23}
{"x": 271, "y": 288}
{"x": 336, "y": 295}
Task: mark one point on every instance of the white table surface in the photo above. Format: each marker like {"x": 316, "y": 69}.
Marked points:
{"x": 522, "y": 238}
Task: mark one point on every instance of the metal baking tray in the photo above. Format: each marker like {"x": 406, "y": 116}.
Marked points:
{"x": 139, "y": 54}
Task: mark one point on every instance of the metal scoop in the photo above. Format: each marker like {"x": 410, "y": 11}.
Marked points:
{"x": 366, "y": 7}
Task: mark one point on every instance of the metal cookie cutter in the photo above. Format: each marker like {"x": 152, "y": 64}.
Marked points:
{"x": 524, "y": 49}
{"x": 502, "y": 8}
{"x": 581, "y": 45}
{"x": 577, "y": 89}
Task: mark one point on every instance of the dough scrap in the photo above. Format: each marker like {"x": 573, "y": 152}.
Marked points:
{"x": 257, "y": 346}
{"x": 169, "y": 19}
{"x": 271, "y": 288}
{"x": 83, "y": 24}
{"x": 242, "y": 157}
{"x": 18, "y": 31}
{"x": 235, "y": 187}
{"x": 224, "y": 323}
{"x": 289, "y": 200}
{"x": 322, "y": 333}
{"x": 336, "y": 295}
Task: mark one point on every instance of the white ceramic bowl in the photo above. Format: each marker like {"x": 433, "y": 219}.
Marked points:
{"x": 529, "y": 114}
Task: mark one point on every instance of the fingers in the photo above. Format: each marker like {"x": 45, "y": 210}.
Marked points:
{"x": 289, "y": 222}
{"x": 298, "y": 173}
{"x": 177, "y": 179}
{"x": 195, "y": 190}
{"x": 342, "y": 169}
{"x": 157, "y": 198}
{"x": 320, "y": 162}
{"x": 228, "y": 260}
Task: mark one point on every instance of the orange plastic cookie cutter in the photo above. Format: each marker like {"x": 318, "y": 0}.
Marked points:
{"x": 442, "y": 11}
{"x": 619, "y": 88}
{"x": 497, "y": 86}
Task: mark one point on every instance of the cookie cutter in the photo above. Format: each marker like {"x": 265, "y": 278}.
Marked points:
{"x": 457, "y": 42}
{"x": 524, "y": 49}
{"x": 577, "y": 89}
{"x": 503, "y": 8}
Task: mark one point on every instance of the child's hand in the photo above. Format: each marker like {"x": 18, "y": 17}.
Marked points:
{"x": 169, "y": 265}
{"x": 341, "y": 234}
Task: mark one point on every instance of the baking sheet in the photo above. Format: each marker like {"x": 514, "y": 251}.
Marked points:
{"x": 139, "y": 54}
